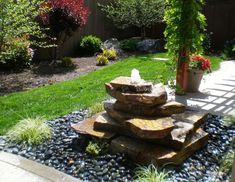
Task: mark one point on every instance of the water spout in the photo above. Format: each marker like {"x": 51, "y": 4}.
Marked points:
{"x": 135, "y": 76}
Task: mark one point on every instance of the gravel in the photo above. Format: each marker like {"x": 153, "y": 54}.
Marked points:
{"x": 66, "y": 152}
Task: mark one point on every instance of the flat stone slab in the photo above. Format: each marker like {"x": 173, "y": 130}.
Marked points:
{"x": 146, "y": 153}
{"x": 124, "y": 84}
{"x": 105, "y": 123}
{"x": 142, "y": 127}
{"x": 176, "y": 139}
{"x": 167, "y": 109}
{"x": 157, "y": 96}
{"x": 196, "y": 118}
{"x": 185, "y": 127}
{"x": 86, "y": 127}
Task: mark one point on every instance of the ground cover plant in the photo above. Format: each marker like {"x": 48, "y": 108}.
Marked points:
{"x": 61, "y": 98}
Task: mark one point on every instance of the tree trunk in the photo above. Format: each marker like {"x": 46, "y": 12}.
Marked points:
{"x": 143, "y": 33}
{"x": 60, "y": 40}
{"x": 182, "y": 69}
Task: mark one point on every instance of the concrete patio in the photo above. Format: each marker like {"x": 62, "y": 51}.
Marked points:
{"x": 16, "y": 168}
{"x": 217, "y": 92}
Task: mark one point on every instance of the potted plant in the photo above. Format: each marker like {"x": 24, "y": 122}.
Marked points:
{"x": 198, "y": 65}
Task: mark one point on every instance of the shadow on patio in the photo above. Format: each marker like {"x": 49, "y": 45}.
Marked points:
{"x": 217, "y": 94}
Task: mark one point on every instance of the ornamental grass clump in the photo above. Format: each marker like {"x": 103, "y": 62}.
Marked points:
{"x": 102, "y": 60}
{"x": 200, "y": 63}
{"x": 30, "y": 131}
{"x": 150, "y": 174}
{"x": 111, "y": 54}
{"x": 226, "y": 163}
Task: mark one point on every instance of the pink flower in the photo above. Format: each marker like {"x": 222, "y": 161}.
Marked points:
{"x": 203, "y": 63}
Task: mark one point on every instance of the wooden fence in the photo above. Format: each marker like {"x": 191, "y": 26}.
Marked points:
{"x": 220, "y": 16}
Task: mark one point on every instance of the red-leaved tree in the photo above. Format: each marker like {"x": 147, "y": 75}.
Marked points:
{"x": 63, "y": 17}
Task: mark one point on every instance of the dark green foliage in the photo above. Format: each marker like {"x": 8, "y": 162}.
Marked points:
{"x": 138, "y": 13}
{"x": 229, "y": 52}
{"x": 91, "y": 44}
{"x": 207, "y": 44}
{"x": 129, "y": 44}
{"x": 67, "y": 62}
{"x": 185, "y": 26}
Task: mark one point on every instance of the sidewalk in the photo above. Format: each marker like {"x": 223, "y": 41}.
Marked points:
{"x": 217, "y": 92}
{"x": 15, "y": 168}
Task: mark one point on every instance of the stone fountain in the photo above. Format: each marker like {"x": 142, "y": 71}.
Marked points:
{"x": 142, "y": 123}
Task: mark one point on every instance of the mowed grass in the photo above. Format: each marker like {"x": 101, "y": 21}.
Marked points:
{"x": 61, "y": 98}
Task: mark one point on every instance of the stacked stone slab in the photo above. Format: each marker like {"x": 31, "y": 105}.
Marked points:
{"x": 143, "y": 124}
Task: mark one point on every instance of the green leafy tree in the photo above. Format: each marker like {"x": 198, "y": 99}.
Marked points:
{"x": 184, "y": 32}
{"x": 138, "y": 13}
{"x": 18, "y": 26}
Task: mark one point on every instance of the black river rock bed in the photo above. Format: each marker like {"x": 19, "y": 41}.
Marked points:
{"x": 66, "y": 152}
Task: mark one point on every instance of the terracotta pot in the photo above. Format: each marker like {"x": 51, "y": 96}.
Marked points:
{"x": 194, "y": 80}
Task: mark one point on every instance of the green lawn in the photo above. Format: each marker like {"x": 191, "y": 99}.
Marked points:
{"x": 61, "y": 98}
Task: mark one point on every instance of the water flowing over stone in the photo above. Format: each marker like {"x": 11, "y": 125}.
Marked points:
{"x": 157, "y": 96}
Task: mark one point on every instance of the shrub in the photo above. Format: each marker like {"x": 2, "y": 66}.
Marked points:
{"x": 96, "y": 147}
{"x": 67, "y": 62}
{"x": 129, "y": 44}
{"x": 19, "y": 30}
{"x": 16, "y": 54}
{"x": 228, "y": 51}
{"x": 30, "y": 131}
{"x": 149, "y": 174}
{"x": 91, "y": 44}
{"x": 111, "y": 54}
{"x": 102, "y": 60}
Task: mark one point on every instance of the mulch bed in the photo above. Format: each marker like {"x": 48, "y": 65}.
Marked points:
{"x": 44, "y": 73}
